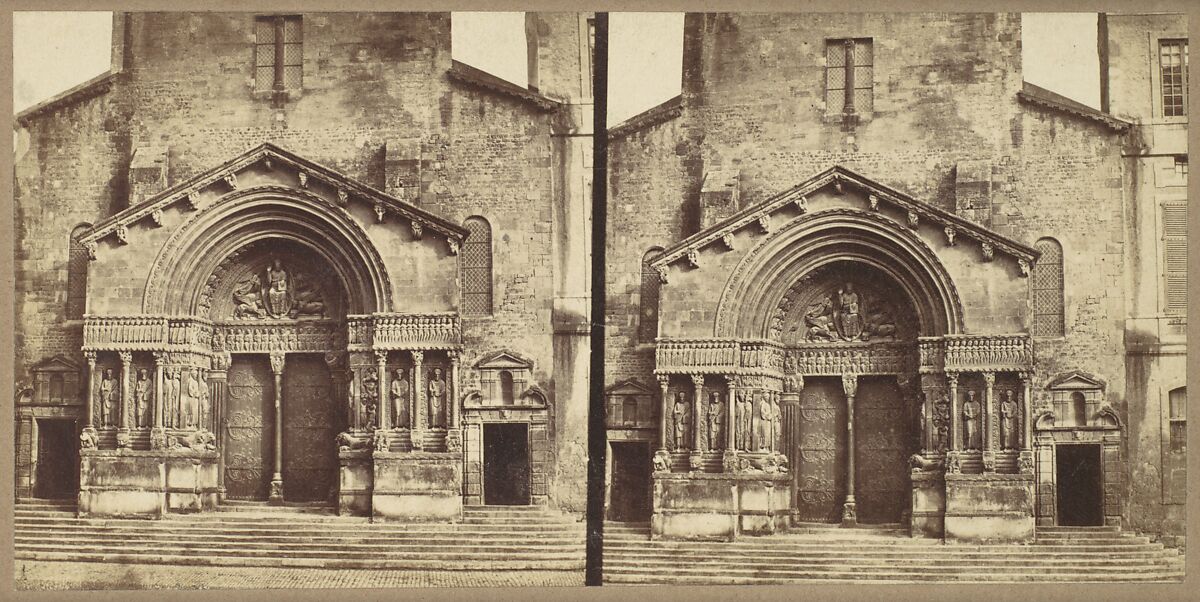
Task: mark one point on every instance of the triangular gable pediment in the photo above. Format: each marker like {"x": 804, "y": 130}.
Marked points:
{"x": 1075, "y": 380}
{"x": 628, "y": 387}
{"x": 504, "y": 360}
{"x": 874, "y": 195}
{"x": 307, "y": 173}
{"x": 57, "y": 363}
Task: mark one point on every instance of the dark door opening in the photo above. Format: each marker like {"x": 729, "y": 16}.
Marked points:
{"x": 506, "y": 464}
{"x": 57, "y": 459}
{"x": 1080, "y": 491}
{"x": 631, "y": 481}
{"x": 310, "y": 462}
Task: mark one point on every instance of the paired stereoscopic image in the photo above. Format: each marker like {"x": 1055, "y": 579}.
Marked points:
{"x": 309, "y": 300}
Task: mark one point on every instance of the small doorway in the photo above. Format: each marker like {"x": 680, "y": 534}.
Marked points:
{"x": 1079, "y": 487}
{"x": 506, "y": 464}
{"x": 57, "y": 459}
{"x": 631, "y": 480}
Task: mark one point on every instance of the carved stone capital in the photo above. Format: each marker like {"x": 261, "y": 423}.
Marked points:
{"x": 697, "y": 380}
{"x": 989, "y": 379}
{"x": 850, "y": 384}
{"x": 664, "y": 380}
{"x": 126, "y": 357}
{"x": 334, "y": 359}
{"x": 90, "y": 356}
{"x": 277, "y": 361}
{"x": 454, "y": 356}
{"x": 952, "y": 379}
{"x": 418, "y": 357}
{"x": 381, "y": 357}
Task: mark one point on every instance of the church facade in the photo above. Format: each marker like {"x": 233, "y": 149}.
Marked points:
{"x": 306, "y": 258}
{"x": 861, "y": 272}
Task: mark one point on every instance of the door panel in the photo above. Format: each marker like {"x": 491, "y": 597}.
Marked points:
{"x": 821, "y": 454}
{"x": 1080, "y": 486}
{"x": 631, "y": 482}
{"x": 249, "y": 428}
{"x": 58, "y": 459}
{"x": 506, "y": 464}
{"x": 881, "y": 436}
{"x": 309, "y": 451}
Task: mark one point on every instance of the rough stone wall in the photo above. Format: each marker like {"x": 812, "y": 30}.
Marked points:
{"x": 373, "y": 83}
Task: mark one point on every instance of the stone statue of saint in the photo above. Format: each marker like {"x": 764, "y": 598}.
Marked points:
{"x": 202, "y": 405}
{"x": 189, "y": 401}
{"x": 681, "y": 413}
{"x": 400, "y": 396}
{"x": 141, "y": 397}
{"x": 278, "y": 296}
{"x": 746, "y": 418}
{"x": 763, "y": 416}
{"x": 846, "y": 318}
{"x": 971, "y": 414}
{"x": 172, "y": 401}
{"x": 715, "y": 415}
{"x": 776, "y": 423}
{"x": 437, "y": 399}
{"x": 370, "y": 397}
{"x": 107, "y": 398}
{"x": 1008, "y": 421}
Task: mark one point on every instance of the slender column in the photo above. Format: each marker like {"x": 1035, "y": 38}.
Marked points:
{"x": 452, "y": 390}
{"x": 730, "y": 414}
{"x": 126, "y": 358}
{"x": 218, "y": 381}
{"x": 955, "y": 418}
{"x": 337, "y": 380}
{"x": 990, "y": 430}
{"x": 384, "y": 415}
{"x": 417, "y": 415}
{"x": 277, "y": 361}
{"x": 159, "y": 359}
{"x": 698, "y": 443}
{"x": 1027, "y": 411}
{"x": 664, "y": 385}
{"x": 849, "y": 509}
{"x": 90, "y": 356}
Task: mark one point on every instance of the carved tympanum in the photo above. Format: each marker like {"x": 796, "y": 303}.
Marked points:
{"x": 841, "y": 304}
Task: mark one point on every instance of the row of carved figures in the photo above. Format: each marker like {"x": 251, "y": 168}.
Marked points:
{"x": 971, "y": 417}
{"x": 185, "y": 398}
{"x": 756, "y": 422}
{"x": 436, "y": 392}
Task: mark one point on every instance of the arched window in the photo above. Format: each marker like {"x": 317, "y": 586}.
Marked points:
{"x": 1178, "y": 417}
{"x": 1079, "y": 408}
{"x": 477, "y": 268}
{"x": 1047, "y": 286}
{"x": 506, "y": 387}
{"x": 77, "y": 269}
{"x": 651, "y": 285}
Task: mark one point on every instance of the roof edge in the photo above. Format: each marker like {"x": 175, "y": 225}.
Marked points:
{"x": 466, "y": 74}
{"x": 91, "y": 88}
{"x": 1037, "y": 95}
{"x": 661, "y": 113}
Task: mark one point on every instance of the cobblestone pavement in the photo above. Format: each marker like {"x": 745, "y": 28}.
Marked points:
{"x": 45, "y": 575}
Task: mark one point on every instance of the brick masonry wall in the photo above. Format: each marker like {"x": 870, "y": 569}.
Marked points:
{"x": 375, "y": 86}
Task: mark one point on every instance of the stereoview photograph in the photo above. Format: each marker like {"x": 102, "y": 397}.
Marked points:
{"x": 882, "y": 308}
{"x": 302, "y": 301}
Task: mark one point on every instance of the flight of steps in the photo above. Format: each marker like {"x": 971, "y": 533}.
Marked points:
{"x": 829, "y": 553}
{"x": 304, "y": 535}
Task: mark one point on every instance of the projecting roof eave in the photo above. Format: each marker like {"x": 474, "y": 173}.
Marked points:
{"x": 841, "y": 175}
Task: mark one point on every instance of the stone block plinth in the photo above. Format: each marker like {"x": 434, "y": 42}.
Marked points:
{"x": 125, "y": 482}
{"x": 928, "y": 505}
{"x": 719, "y": 505}
{"x": 989, "y": 508}
{"x": 355, "y": 479}
{"x": 417, "y": 486}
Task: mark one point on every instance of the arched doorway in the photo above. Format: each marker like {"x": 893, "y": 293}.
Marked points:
{"x": 837, "y": 310}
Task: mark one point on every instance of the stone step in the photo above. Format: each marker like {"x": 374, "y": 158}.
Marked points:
{"x": 414, "y": 532}
{"x": 504, "y": 508}
{"x": 842, "y": 553}
{"x": 22, "y": 538}
{"x": 810, "y": 546}
{"x": 879, "y": 577}
{"x": 1071, "y": 529}
{"x": 252, "y": 521}
{"x": 324, "y": 563}
{"x": 951, "y": 564}
{"x": 305, "y": 550}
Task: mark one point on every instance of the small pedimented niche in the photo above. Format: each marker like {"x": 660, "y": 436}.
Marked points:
{"x": 1078, "y": 401}
{"x": 504, "y": 381}
{"x": 55, "y": 382}
{"x": 630, "y": 405}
